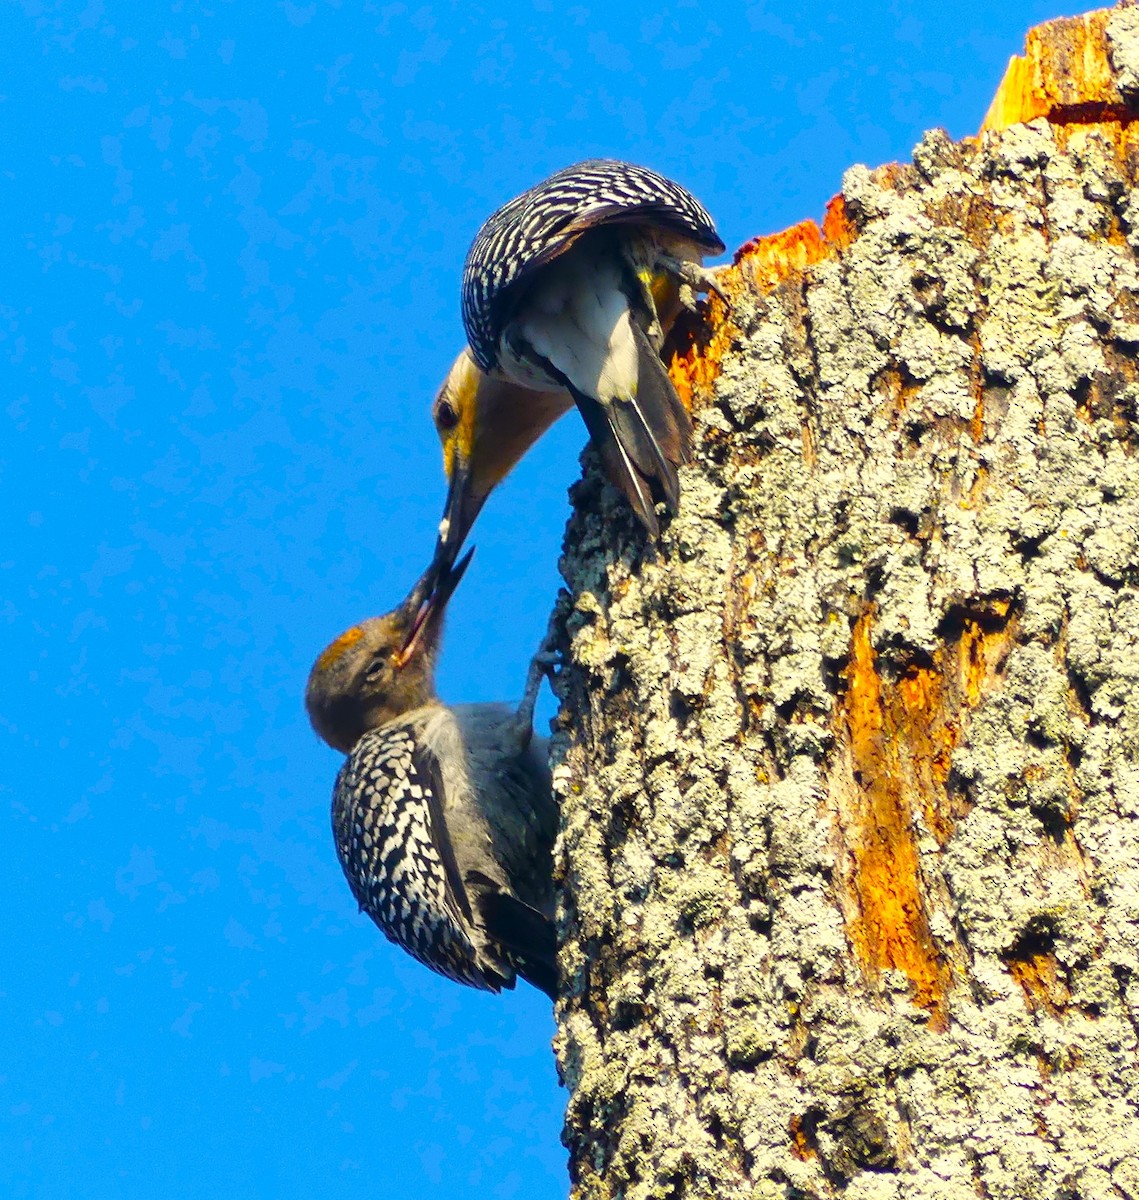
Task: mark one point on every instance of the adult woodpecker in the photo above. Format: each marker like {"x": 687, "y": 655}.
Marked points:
{"x": 568, "y": 290}
{"x": 444, "y": 818}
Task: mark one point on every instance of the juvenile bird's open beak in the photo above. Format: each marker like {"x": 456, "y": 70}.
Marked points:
{"x": 422, "y": 611}
{"x": 462, "y": 507}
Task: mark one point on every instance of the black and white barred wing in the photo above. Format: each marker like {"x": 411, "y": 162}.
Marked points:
{"x": 545, "y": 221}
{"x": 393, "y": 844}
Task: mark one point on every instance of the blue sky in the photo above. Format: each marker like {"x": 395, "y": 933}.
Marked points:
{"x": 228, "y": 290}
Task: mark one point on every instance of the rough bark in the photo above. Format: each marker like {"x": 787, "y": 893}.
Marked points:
{"x": 849, "y": 767}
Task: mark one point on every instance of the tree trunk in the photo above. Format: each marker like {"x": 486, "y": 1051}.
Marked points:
{"x": 849, "y": 768}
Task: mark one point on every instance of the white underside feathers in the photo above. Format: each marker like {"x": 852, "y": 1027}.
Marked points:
{"x": 577, "y": 319}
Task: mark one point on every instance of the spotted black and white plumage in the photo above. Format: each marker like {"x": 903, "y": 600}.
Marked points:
{"x": 393, "y": 846}
{"x": 444, "y": 824}
{"x": 543, "y": 222}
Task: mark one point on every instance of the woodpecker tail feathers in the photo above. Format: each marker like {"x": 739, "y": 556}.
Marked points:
{"x": 527, "y": 936}
{"x": 670, "y": 424}
{"x": 642, "y": 440}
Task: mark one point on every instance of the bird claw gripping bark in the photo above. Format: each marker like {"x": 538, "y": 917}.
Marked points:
{"x": 541, "y": 667}
{"x": 694, "y": 279}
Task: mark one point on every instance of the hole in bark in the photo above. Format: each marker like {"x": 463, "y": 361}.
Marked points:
{"x": 1033, "y": 737}
{"x": 622, "y": 818}
{"x": 1123, "y": 976}
{"x": 627, "y": 1015}
{"x": 716, "y": 1128}
{"x": 787, "y": 709}
{"x": 1081, "y": 693}
{"x": 759, "y": 920}
{"x": 908, "y": 660}
{"x": 1054, "y": 821}
{"x": 929, "y": 290}
{"x": 994, "y": 377}
{"x": 905, "y": 519}
{"x": 680, "y": 707}
{"x": 991, "y": 612}
{"x": 1082, "y": 395}
{"x": 1037, "y": 938}
{"x": 915, "y": 430}
{"x": 957, "y": 788}
{"x": 832, "y": 674}
{"x": 1028, "y": 547}
{"x": 713, "y": 971}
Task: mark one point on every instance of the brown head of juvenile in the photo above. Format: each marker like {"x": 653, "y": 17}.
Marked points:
{"x": 384, "y": 667}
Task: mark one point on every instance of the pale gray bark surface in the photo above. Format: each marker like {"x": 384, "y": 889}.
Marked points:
{"x": 850, "y": 768}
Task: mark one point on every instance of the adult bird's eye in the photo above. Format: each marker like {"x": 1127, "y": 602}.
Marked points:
{"x": 446, "y": 418}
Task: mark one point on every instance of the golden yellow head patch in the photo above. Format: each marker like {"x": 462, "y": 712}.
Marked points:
{"x": 458, "y": 399}
{"x": 331, "y": 653}
{"x": 466, "y": 405}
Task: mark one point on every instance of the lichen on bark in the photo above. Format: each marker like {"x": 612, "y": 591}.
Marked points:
{"x": 849, "y": 765}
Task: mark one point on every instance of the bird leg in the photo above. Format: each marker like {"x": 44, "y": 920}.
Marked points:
{"x": 693, "y": 279}
{"x": 541, "y": 667}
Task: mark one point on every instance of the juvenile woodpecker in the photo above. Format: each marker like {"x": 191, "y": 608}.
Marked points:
{"x": 570, "y": 288}
{"x": 444, "y": 818}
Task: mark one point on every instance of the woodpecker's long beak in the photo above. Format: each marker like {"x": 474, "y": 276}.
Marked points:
{"x": 422, "y": 611}
{"x": 462, "y": 507}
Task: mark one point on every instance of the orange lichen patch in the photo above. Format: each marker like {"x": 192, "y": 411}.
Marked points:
{"x": 1040, "y": 980}
{"x": 771, "y": 259}
{"x": 1064, "y": 75}
{"x": 332, "y": 652}
{"x": 977, "y": 391}
{"x": 694, "y": 371}
{"x": 758, "y": 265}
{"x": 803, "y": 1144}
{"x": 810, "y": 453}
{"x": 982, "y": 649}
{"x": 901, "y": 734}
{"x": 838, "y": 231}
{"x": 778, "y": 256}
{"x": 890, "y": 930}
{"x": 977, "y": 424}
{"x": 923, "y": 718}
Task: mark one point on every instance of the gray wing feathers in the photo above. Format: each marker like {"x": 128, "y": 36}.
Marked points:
{"x": 514, "y": 796}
